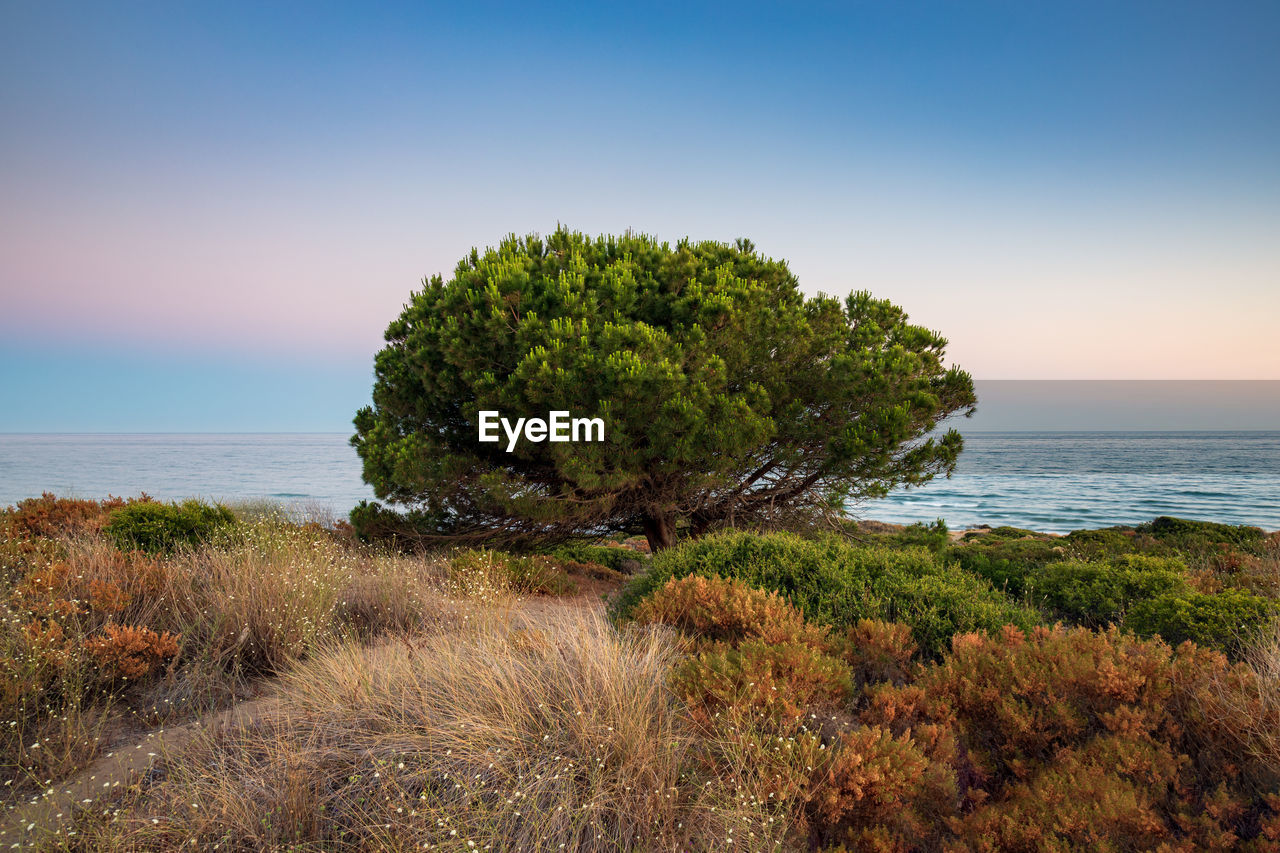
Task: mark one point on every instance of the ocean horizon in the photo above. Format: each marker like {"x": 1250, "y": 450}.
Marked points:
{"x": 1048, "y": 481}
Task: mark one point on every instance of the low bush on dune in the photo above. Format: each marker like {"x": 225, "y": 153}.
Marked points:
{"x": 1217, "y": 555}
{"x": 1099, "y": 593}
{"x": 50, "y": 516}
{"x": 160, "y": 528}
{"x": 618, "y": 559}
{"x": 1231, "y": 620}
{"x": 837, "y": 584}
{"x": 715, "y": 608}
{"x": 1054, "y": 738}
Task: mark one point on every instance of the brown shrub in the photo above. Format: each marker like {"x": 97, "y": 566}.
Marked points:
{"x": 878, "y": 651}
{"x": 124, "y": 651}
{"x": 93, "y": 579}
{"x": 1076, "y": 802}
{"x": 1072, "y": 738}
{"x": 880, "y": 792}
{"x": 727, "y": 610}
{"x": 50, "y": 516}
{"x": 779, "y": 682}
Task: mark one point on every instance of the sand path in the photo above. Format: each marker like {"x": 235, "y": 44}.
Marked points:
{"x": 123, "y": 765}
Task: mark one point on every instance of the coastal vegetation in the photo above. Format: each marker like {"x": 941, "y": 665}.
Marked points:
{"x": 726, "y": 396}
{"x": 880, "y": 688}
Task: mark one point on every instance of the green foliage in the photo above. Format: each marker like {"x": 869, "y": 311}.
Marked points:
{"x": 372, "y": 522}
{"x": 1006, "y": 563}
{"x": 1099, "y": 593}
{"x": 1106, "y": 542}
{"x": 1006, "y": 532}
{"x": 838, "y": 584}
{"x": 933, "y": 536}
{"x": 164, "y": 528}
{"x": 942, "y": 602}
{"x": 1229, "y": 620}
{"x": 726, "y": 393}
{"x": 1201, "y": 535}
{"x": 611, "y": 558}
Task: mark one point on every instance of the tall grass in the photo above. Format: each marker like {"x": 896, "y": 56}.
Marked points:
{"x": 262, "y": 597}
{"x": 556, "y": 736}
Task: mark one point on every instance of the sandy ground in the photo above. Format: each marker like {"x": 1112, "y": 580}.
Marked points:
{"x": 120, "y": 766}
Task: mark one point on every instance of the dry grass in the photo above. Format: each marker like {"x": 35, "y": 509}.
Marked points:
{"x": 1258, "y": 709}
{"x": 251, "y": 605}
{"x": 559, "y": 736}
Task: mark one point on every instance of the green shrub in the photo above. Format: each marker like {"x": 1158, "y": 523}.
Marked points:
{"x": 611, "y": 558}
{"x": 938, "y": 605}
{"x": 1188, "y": 535}
{"x": 1105, "y": 542}
{"x": 837, "y": 584}
{"x": 934, "y": 536}
{"x": 1099, "y": 593}
{"x": 1229, "y": 620}
{"x": 1006, "y": 563}
{"x": 827, "y": 579}
{"x": 164, "y": 528}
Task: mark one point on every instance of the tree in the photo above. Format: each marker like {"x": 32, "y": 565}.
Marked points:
{"x": 728, "y": 397}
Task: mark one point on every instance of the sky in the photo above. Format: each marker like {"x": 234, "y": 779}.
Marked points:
{"x": 210, "y": 212}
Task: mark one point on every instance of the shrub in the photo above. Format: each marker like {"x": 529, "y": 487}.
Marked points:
{"x": 826, "y": 579}
{"x": 1229, "y": 620}
{"x": 1021, "y": 699}
{"x": 1007, "y": 532}
{"x": 777, "y": 682}
{"x": 621, "y": 560}
{"x": 1105, "y": 542}
{"x": 877, "y": 651}
{"x": 834, "y": 583}
{"x": 1005, "y": 563}
{"x": 727, "y": 610}
{"x": 483, "y": 573}
{"x": 941, "y": 603}
{"x": 880, "y": 792}
{"x": 1097, "y": 594}
{"x": 164, "y": 528}
{"x": 1188, "y": 535}
{"x": 49, "y": 515}
{"x": 129, "y": 652}
{"x": 1070, "y": 738}
{"x": 935, "y": 537}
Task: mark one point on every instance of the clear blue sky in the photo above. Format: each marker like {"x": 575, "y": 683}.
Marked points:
{"x": 209, "y": 212}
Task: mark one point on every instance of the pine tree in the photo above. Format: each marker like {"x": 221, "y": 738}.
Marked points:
{"x": 729, "y": 398}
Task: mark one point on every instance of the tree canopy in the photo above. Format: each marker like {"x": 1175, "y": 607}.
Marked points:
{"x": 728, "y": 397}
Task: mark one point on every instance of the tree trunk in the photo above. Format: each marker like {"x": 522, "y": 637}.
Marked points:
{"x": 660, "y": 530}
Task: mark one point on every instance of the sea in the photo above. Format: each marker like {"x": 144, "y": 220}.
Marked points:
{"x": 1048, "y": 481}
